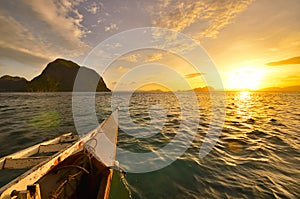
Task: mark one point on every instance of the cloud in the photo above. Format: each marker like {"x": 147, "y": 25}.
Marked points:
{"x": 99, "y": 21}
{"x": 94, "y": 7}
{"x": 193, "y": 75}
{"x": 208, "y": 16}
{"x": 38, "y": 31}
{"x": 133, "y": 58}
{"x": 293, "y": 60}
{"x": 154, "y": 57}
{"x": 18, "y": 55}
{"x": 111, "y": 27}
{"x": 20, "y": 51}
{"x": 122, "y": 69}
{"x": 293, "y": 77}
{"x": 63, "y": 21}
{"x": 46, "y": 28}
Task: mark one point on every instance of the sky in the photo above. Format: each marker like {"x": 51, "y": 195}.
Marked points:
{"x": 252, "y": 44}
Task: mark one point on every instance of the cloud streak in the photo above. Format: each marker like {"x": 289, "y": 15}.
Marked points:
{"x": 293, "y": 60}
{"x": 94, "y": 7}
{"x": 122, "y": 69}
{"x": 154, "y": 57}
{"x": 209, "y": 16}
{"x": 111, "y": 27}
{"x": 193, "y": 75}
{"x": 133, "y": 58}
{"x": 63, "y": 21}
{"x": 41, "y": 30}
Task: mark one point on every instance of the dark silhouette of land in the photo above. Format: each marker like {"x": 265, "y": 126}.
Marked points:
{"x": 14, "y": 84}
{"x": 204, "y": 89}
{"x": 283, "y": 89}
{"x": 58, "y": 76}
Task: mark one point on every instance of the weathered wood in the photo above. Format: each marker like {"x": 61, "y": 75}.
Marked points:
{"x": 31, "y": 176}
{"x": 33, "y": 149}
{"x": 33, "y": 191}
{"x": 52, "y": 147}
{"x": 41, "y": 169}
{"x": 23, "y": 163}
{"x": 68, "y": 138}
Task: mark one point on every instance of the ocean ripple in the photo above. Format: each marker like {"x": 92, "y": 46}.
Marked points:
{"x": 257, "y": 154}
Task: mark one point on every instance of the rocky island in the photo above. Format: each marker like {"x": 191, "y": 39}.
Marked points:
{"x": 58, "y": 76}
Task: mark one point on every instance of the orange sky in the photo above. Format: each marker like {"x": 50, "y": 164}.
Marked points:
{"x": 241, "y": 38}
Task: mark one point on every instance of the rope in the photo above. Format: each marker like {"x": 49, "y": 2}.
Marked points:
{"x": 75, "y": 166}
{"x": 80, "y": 164}
{"x": 122, "y": 177}
{"x": 124, "y": 181}
{"x": 61, "y": 187}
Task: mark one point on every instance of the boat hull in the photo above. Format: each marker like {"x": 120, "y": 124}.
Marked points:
{"x": 74, "y": 172}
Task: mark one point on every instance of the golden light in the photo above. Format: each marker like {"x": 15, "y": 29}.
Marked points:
{"x": 245, "y": 79}
{"x": 153, "y": 87}
{"x": 244, "y": 96}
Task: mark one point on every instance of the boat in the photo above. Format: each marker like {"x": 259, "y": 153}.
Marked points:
{"x": 68, "y": 166}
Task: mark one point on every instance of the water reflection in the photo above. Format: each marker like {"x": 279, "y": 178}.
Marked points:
{"x": 243, "y": 102}
{"x": 245, "y": 95}
{"x": 256, "y": 157}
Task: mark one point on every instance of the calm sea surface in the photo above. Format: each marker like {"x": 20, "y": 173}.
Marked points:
{"x": 257, "y": 154}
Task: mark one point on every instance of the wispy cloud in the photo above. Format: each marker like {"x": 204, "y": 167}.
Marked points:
{"x": 193, "y": 75}
{"x": 209, "y": 16}
{"x": 63, "y": 21}
{"x": 293, "y": 77}
{"x": 94, "y": 7}
{"x": 16, "y": 39}
{"x": 47, "y": 29}
{"x": 133, "y": 58}
{"x": 293, "y": 60}
{"x": 122, "y": 69}
{"x": 111, "y": 27}
{"x": 22, "y": 56}
{"x": 154, "y": 57}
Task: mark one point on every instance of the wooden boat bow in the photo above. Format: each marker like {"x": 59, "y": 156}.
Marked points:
{"x": 86, "y": 161}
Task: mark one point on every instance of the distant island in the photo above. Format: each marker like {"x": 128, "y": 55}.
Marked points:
{"x": 269, "y": 89}
{"x": 204, "y": 89}
{"x": 58, "y": 76}
{"x": 283, "y": 89}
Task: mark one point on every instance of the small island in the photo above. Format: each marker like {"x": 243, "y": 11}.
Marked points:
{"x": 58, "y": 76}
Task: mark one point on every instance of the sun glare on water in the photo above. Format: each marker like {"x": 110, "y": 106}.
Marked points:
{"x": 245, "y": 79}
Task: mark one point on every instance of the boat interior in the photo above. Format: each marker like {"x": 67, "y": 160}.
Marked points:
{"x": 78, "y": 176}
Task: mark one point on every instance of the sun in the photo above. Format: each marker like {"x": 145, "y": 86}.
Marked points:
{"x": 245, "y": 79}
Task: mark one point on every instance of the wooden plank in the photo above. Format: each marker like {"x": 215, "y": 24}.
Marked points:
{"x": 24, "y": 153}
{"x": 23, "y": 163}
{"x": 52, "y": 147}
{"x": 31, "y": 150}
{"x": 31, "y": 176}
{"x": 69, "y": 138}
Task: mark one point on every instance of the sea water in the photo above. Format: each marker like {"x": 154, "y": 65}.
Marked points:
{"x": 256, "y": 155}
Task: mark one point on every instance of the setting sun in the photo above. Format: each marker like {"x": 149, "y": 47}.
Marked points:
{"x": 190, "y": 98}
{"x": 245, "y": 79}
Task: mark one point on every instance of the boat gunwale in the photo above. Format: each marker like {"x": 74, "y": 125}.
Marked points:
{"x": 32, "y": 149}
{"x": 35, "y": 173}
